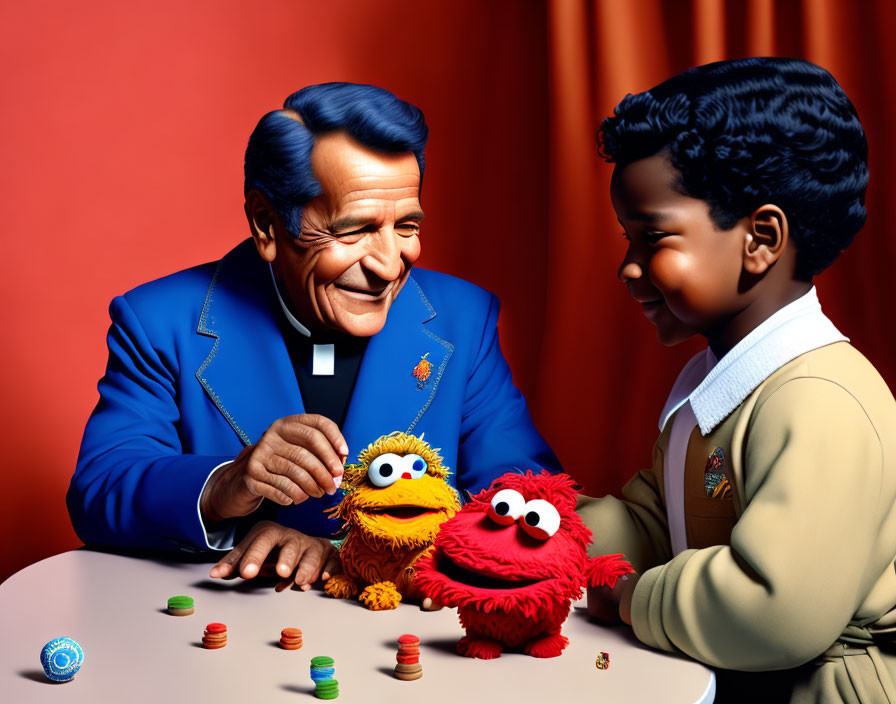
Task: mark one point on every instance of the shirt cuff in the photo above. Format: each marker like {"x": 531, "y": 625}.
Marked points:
{"x": 223, "y": 535}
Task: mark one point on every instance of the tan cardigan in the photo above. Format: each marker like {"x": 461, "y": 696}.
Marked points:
{"x": 800, "y": 558}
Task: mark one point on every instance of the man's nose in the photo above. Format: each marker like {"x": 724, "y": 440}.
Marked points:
{"x": 384, "y": 255}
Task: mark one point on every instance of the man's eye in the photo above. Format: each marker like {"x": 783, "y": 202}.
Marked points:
{"x": 654, "y": 237}
{"x": 407, "y": 229}
{"x": 357, "y": 233}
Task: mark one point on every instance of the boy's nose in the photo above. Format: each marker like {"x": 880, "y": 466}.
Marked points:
{"x": 629, "y": 270}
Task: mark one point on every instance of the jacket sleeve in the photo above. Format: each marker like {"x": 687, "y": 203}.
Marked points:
{"x": 635, "y": 526}
{"x": 496, "y": 432}
{"x": 133, "y": 487}
{"x": 799, "y": 560}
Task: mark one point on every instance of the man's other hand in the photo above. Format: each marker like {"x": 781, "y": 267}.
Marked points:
{"x": 296, "y": 458}
{"x": 306, "y": 556}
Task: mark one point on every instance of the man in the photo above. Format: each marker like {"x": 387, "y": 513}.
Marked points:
{"x": 235, "y": 391}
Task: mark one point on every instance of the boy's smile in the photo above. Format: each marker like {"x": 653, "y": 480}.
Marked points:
{"x": 679, "y": 266}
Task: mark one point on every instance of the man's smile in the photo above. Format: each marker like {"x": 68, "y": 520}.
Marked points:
{"x": 365, "y": 294}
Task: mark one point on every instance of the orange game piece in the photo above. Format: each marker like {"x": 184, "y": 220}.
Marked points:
{"x": 291, "y": 639}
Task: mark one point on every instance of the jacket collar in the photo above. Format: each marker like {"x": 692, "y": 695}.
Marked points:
{"x": 716, "y": 387}
{"x": 249, "y": 377}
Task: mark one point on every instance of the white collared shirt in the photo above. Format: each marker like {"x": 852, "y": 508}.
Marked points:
{"x": 323, "y": 359}
{"x": 707, "y": 391}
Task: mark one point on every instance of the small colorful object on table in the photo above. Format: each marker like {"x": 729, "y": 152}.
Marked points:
{"x": 322, "y": 671}
{"x": 603, "y": 661}
{"x": 408, "y": 665}
{"x": 291, "y": 639}
{"x": 327, "y": 689}
{"x": 61, "y": 659}
{"x": 215, "y": 636}
{"x": 180, "y": 605}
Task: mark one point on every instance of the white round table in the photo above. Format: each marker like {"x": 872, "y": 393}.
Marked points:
{"x": 134, "y": 652}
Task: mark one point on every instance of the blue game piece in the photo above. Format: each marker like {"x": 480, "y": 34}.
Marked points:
{"x": 61, "y": 659}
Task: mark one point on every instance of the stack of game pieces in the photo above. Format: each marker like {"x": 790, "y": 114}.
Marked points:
{"x": 290, "y": 639}
{"x": 180, "y": 606}
{"x": 322, "y": 671}
{"x": 215, "y": 636}
{"x": 408, "y": 658}
{"x": 61, "y": 659}
{"x": 603, "y": 661}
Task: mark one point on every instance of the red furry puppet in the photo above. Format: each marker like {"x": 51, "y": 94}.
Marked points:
{"x": 512, "y": 561}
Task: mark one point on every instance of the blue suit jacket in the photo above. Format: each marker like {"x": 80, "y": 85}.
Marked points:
{"x": 198, "y": 369}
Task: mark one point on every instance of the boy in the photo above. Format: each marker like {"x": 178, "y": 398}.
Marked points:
{"x": 764, "y": 535}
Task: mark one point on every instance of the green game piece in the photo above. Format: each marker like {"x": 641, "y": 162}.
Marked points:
{"x": 180, "y": 602}
{"x": 322, "y": 661}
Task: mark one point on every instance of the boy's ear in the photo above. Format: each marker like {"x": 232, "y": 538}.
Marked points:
{"x": 766, "y": 239}
{"x": 262, "y": 223}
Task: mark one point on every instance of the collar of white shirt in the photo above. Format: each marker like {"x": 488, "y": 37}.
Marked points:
{"x": 714, "y": 389}
{"x": 289, "y": 316}
{"x": 323, "y": 357}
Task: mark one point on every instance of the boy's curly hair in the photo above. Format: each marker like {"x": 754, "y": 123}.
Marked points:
{"x": 753, "y": 131}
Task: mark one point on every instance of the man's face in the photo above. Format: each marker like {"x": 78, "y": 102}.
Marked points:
{"x": 679, "y": 266}
{"x": 359, "y": 238}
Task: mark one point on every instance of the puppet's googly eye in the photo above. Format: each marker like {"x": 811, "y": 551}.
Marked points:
{"x": 507, "y": 506}
{"x": 539, "y": 519}
{"x": 385, "y": 469}
{"x": 413, "y": 467}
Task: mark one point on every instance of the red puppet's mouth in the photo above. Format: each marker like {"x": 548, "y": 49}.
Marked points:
{"x": 471, "y": 578}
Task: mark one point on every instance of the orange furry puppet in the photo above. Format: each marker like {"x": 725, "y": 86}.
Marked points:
{"x": 396, "y": 498}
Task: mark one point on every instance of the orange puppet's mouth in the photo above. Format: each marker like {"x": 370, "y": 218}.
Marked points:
{"x": 471, "y": 578}
{"x": 403, "y": 513}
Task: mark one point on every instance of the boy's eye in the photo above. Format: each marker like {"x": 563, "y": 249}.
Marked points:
{"x": 654, "y": 237}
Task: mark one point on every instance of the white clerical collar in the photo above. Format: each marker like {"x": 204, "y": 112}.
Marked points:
{"x": 323, "y": 358}
{"x": 714, "y": 389}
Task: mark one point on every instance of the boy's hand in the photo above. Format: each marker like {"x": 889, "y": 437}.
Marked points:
{"x": 309, "y": 557}
{"x": 612, "y": 604}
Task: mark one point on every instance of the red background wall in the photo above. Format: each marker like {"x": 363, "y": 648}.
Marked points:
{"x": 122, "y": 128}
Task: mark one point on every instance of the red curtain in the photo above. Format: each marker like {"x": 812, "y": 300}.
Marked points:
{"x": 122, "y": 127}
{"x": 603, "y": 376}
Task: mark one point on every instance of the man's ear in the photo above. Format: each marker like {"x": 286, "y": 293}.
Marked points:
{"x": 262, "y": 224}
{"x": 766, "y": 239}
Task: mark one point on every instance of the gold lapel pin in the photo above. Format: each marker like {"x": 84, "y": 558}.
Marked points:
{"x": 422, "y": 371}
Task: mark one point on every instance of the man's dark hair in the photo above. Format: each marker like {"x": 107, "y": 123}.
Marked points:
{"x": 753, "y": 131}
{"x": 278, "y": 158}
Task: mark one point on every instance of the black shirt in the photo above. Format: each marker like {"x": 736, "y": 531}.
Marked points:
{"x": 329, "y": 395}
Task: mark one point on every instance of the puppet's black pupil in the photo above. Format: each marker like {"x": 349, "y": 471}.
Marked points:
{"x": 502, "y": 508}
{"x": 386, "y": 469}
{"x": 532, "y": 518}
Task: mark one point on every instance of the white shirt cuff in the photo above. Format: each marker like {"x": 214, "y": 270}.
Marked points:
{"x": 222, "y": 538}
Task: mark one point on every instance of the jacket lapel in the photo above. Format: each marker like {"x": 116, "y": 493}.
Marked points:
{"x": 248, "y": 374}
{"x": 387, "y": 395}
{"x": 249, "y": 377}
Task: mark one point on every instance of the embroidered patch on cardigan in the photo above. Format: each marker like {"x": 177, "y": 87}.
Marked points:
{"x": 422, "y": 371}
{"x": 714, "y": 480}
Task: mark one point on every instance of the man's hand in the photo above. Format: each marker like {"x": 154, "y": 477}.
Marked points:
{"x": 309, "y": 557}
{"x": 613, "y": 605}
{"x": 296, "y": 458}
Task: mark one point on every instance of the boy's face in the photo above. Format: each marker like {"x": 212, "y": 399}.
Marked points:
{"x": 681, "y": 269}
